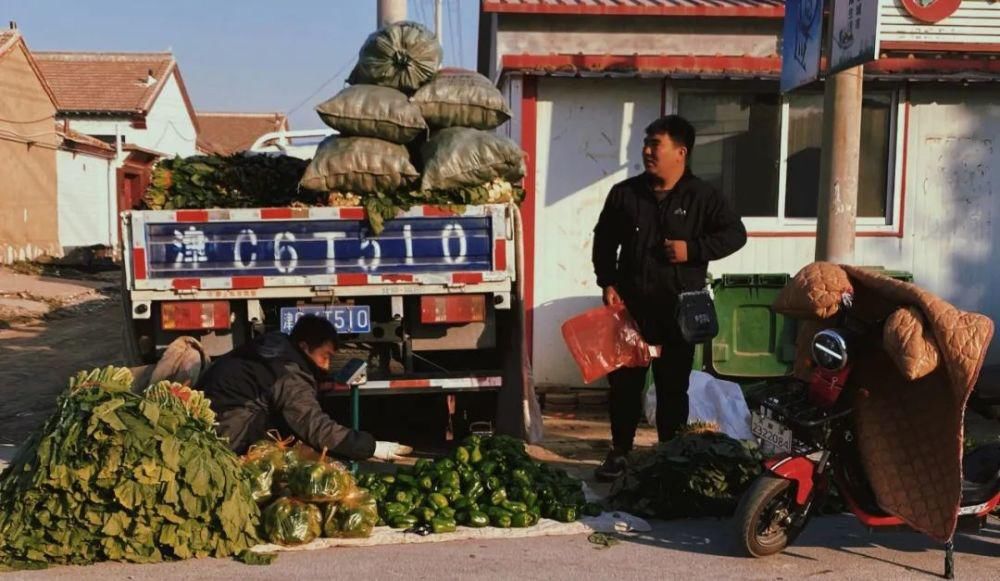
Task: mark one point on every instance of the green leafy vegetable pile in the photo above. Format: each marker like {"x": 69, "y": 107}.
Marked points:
{"x": 114, "y": 475}
{"x": 232, "y": 181}
{"x": 697, "y": 474}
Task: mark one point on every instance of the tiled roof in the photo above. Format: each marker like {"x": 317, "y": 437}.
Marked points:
{"x": 105, "y": 82}
{"x": 77, "y": 137}
{"x": 227, "y": 133}
{"x": 749, "y": 8}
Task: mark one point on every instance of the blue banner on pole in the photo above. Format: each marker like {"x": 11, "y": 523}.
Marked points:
{"x": 801, "y": 39}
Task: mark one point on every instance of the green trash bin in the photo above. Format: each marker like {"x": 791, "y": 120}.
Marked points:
{"x": 753, "y": 340}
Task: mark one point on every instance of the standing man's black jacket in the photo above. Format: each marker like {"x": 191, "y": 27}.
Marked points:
{"x": 628, "y": 245}
{"x": 270, "y": 384}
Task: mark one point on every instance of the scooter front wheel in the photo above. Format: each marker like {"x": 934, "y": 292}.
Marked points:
{"x": 766, "y": 519}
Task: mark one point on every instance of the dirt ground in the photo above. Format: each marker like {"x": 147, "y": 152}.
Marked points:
{"x": 37, "y": 359}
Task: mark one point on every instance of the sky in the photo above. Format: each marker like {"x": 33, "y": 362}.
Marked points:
{"x": 239, "y": 55}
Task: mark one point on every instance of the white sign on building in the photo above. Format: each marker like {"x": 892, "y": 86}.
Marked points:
{"x": 854, "y": 33}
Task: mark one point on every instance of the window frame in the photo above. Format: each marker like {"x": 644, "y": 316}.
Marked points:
{"x": 890, "y": 224}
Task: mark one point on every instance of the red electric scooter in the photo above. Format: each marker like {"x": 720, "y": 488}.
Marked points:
{"x": 808, "y": 428}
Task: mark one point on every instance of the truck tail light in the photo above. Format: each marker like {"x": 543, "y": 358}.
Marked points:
{"x": 453, "y": 309}
{"x": 194, "y": 315}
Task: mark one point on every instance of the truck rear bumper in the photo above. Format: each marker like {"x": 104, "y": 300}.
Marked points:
{"x": 419, "y": 385}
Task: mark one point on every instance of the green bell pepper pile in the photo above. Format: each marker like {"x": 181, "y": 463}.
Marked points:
{"x": 486, "y": 481}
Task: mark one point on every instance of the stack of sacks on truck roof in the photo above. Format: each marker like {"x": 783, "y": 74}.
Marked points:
{"x": 411, "y": 133}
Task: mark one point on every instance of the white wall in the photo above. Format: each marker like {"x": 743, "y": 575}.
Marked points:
{"x": 588, "y": 138}
{"x": 85, "y": 196}
{"x": 169, "y": 127}
{"x": 954, "y": 190}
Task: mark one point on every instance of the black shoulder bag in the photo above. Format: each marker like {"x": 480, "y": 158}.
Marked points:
{"x": 696, "y": 314}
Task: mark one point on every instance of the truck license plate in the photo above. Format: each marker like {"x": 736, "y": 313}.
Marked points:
{"x": 775, "y": 439}
{"x": 348, "y": 320}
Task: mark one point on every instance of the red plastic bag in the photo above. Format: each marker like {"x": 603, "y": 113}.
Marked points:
{"x": 605, "y": 339}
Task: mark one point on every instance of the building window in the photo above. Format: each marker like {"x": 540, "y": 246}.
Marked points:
{"x": 738, "y": 145}
{"x": 805, "y": 136}
{"x": 739, "y": 151}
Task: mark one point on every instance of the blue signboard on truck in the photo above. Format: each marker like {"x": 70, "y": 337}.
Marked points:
{"x": 315, "y": 247}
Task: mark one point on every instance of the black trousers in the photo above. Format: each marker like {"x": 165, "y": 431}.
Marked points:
{"x": 671, "y": 374}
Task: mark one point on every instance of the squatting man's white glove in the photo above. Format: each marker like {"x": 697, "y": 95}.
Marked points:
{"x": 391, "y": 451}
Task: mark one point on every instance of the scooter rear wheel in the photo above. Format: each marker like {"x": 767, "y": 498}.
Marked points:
{"x": 765, "y": 518}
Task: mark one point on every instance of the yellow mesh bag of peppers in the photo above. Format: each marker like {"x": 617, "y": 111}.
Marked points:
{"x": 320, "y": 480}
{"x": 291, "y": 522}
{"x": 264, "y": 462}
{"x": 355, "y": 516}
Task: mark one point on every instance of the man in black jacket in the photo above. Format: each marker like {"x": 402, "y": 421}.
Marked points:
{"x": 272, "y": 383}
{"x": 654, "y": 239}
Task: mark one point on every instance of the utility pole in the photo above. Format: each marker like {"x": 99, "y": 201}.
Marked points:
{"x": 390, "y": 11}
{"x": 437, "y": 22}
{"x": 839, "y": 165}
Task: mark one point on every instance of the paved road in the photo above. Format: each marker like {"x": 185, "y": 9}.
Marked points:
{"x": 832, "y": 548}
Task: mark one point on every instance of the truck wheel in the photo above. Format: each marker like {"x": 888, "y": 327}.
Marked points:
{"x": 765, "y": 519}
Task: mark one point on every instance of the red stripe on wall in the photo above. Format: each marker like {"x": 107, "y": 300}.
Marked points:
{"x": 529, "y": 121}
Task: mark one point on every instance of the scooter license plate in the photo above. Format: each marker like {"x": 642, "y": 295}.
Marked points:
{"x": 774, "y": 438}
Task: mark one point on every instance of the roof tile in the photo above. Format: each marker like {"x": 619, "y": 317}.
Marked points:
{"x": 104, "y": 82}
{"x": 228, "y": 133}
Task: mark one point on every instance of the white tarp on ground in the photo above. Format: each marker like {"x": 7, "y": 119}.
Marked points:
{"x": 609, "y": 522}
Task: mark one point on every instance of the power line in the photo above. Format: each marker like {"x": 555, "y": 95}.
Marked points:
{"x": 321, "y": 87}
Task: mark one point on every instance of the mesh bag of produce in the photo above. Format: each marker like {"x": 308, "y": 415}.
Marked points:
{"x": 362, "y": 165}
{"x": 402, "y": 55}
{"x": 458, "y": 157}
{"x": 264, "y": 462}
{"x": 320, "y": 481}
{"x": 355, "y": 516}
{"x": 289, "y": 521}
{"x": 373, "y": 111}
{"x": 461, "y": 98}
